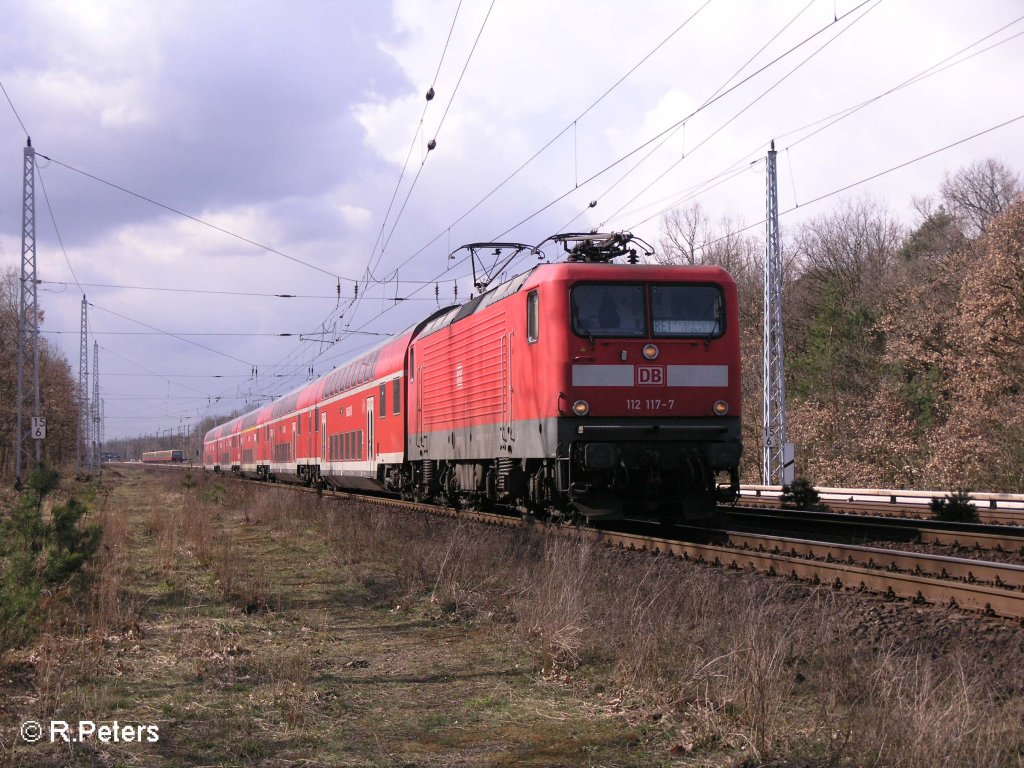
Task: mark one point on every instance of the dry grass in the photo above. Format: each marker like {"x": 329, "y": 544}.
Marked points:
{"x": 280, "y": 600}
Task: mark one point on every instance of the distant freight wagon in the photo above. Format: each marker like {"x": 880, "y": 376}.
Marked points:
{"x": 163, "y": 457}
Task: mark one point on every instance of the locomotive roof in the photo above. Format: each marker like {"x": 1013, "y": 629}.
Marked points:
{"x": 584, "y": 270}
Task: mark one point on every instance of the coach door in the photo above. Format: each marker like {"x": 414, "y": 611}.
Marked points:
{"x": 369, "y": 429}
{"x": 323, "y": 438}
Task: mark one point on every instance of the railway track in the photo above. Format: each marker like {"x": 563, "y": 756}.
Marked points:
{"x": 972, "y": 584}
{"x": 851, "y": 527}
{"x": 993, "y": 508}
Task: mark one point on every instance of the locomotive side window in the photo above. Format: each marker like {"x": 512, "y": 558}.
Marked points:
{"x": 687, "y": 310}
{"x": 606, "y": 309}
{"x": 532, "y": 317}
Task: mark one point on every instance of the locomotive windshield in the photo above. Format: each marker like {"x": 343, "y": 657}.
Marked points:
{"x": 605, "y": 309}
{"x": 687, "y": 310}
{"x": 609, "y": 310}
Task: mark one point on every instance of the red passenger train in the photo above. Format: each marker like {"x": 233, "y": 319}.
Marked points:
{"x": 581, "y": 388}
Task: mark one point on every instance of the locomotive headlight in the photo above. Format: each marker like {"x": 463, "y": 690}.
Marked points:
{"x": 721, "y": 407}
{"x": 651, "y": 351}
{"x": 581, "y": 407}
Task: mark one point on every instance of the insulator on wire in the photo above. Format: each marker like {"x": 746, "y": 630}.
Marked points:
{"x": 357, "y": 290}
{"x": 430, "y": 94}
{"x": 431, "y": 144}
{"x": 437, "y": 294}
{"x": 339, "y": 289}
{"x": 456, "y": 291}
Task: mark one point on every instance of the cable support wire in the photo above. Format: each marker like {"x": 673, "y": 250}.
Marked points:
{"x": 736, "y": 116}
{"x": 743, "y": 163}
{"x": 168, "y": 333}
{"x": 430, "y": 146}
{"x": 14, "y": 110}
{"x": 546, "y": 146}
{"x": 196, "y": 219}
{"x": 866, "y": 179}
{"x": 682, "y": 125}
{"x": 412, "y": 144}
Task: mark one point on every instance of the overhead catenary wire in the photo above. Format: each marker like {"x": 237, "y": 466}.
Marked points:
{"x": 14, "y": 110}
{"x": 433, "y": 140}
{"x": 705, "y": 103}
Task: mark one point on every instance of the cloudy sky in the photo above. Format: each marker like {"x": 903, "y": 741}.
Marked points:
{"x": 195, "y": 151}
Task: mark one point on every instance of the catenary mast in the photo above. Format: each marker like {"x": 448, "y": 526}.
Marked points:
{"x": 28, "y": 316}
{"x": 777, "y": 466}
{"x": 96, "y": 405}
{"x": 84, "y": 443}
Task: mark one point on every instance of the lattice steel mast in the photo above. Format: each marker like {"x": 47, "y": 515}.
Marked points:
{"x": 777, "y": 467}
{"x": 84, "y": 443}
{"x": 28, "y": 317}
{"x": 96, "y": 404}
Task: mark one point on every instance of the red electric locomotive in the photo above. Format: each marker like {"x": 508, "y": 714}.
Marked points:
{"x": 582, "y": 388}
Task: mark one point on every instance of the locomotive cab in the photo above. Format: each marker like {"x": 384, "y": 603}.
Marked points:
{"x": 653, "y": 384}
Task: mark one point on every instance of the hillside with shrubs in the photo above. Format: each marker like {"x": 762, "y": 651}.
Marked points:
{"x": 903, "y": 343}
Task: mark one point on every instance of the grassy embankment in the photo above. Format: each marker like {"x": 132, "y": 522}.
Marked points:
{"x": 255, "y": 625}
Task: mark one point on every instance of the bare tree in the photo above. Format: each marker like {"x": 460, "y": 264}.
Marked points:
{"x": 976, "y": 194}
{"x": 851, "y": 249}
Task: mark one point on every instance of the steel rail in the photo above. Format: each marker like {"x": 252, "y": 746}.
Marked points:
{"x": 1000, "y": 574}
{"x": 978, "y": 597}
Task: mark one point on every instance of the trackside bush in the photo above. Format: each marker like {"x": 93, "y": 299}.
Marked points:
{"x": 39, "y": 556}
{"x": 802, "y": 495}
{"x": 955, "y": 508}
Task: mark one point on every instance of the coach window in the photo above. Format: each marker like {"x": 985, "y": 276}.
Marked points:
{"x": 316, "y": 419}
{"x": 298, "y": 424}
{"x": 412, "y": 363}
{"x": 383, "y": 400}
{"x": 532, "y": 317}
{"x": 396, "y": 396}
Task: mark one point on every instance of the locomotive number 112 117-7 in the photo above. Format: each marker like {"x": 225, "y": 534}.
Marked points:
{"x": 650, "y": 405}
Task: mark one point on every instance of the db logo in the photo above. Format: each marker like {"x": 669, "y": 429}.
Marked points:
{"x": 650, "y": 374}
